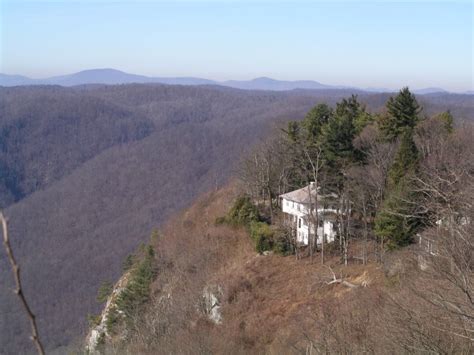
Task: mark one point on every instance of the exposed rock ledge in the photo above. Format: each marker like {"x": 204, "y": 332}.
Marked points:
{"x": 98, "y": 333}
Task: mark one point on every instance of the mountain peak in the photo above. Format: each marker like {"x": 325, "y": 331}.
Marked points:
{"x": 101, "y": 70}
{"x": 263, "y": 79}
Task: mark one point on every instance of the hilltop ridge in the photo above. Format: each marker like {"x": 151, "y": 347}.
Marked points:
{"x": 110, "y": 76}
{"x": 267, "y": 303}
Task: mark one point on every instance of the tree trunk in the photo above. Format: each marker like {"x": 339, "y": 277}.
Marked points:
{"x": 270, "y": 197}
{"x": 366, "y": 232}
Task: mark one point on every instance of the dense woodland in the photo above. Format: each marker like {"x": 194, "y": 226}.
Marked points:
{"x": 87, "y": 172}
{"x": 379, "y": 165}
{"x": 402, "y": 178}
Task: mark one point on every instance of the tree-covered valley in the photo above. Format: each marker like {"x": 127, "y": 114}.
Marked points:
{"x": 88, "y": 172}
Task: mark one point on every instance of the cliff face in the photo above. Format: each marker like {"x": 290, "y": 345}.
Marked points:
{"x": 99, "y": 333}
{"x": 191, "y": 258}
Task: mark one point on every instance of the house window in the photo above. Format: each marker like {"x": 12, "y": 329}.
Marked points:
{"x": 299, "y": 225}
{"x": 320, "y": 223}
{"x": 299, "y": 207}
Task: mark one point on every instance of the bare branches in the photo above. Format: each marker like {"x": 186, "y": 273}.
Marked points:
{"x": 340, "y": 280}
{"x": 439, "y": 313}
{"x": 18, "y": 290}
{"x": 265, "y": 172}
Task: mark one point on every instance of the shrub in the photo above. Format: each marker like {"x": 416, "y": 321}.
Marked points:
{"x": 104, "y": 291}
{"x": 127, "y": 263}
{"x": 262, "y": 234}
{"x": 220, "y": 220}
{"x": 282, "y": 243}
{"x": 243, "y": 212}
{"x": 112, "y": 318}
{"x": 93, "y": 320}
{"x": 263, "y": 243}
{"x": 137, "y": 291}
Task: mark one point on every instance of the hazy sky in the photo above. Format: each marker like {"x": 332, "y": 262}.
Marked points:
{"x": 367, "y": 44}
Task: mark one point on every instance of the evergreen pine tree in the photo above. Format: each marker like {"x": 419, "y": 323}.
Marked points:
{"x": 316, "y": 118}
{"x": 293, "y": 131}
{"x": 339, "y": 132}
{"x": 396, "y": 222}
{"x": 338, "y": 136}
{"x": 405, "y": 160}
{"x": 447, "y": 120}
{"x": 403, "y": 111}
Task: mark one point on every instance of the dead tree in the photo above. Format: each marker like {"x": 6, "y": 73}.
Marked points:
{"x": 18, "y": 289}
{"x": 344, "y": 222}
{"x": 341, "y": 280}
{"x": 316, "y": 162}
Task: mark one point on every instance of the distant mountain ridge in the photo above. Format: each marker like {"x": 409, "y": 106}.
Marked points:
{"x": 113, "y": 77}
{"x": 264, "y": 83}
{"x": 99, "y": 76}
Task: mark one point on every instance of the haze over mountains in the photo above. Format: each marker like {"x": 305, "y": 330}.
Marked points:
{"x": 113, "y": 77}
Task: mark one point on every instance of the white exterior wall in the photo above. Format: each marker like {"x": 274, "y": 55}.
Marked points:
{"x": 294, "y": 208}
{"x": 328, "y": 230}
{"x": 297, "y": 211}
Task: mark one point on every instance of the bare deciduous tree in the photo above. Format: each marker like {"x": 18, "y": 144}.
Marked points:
{"x": 19, "y": 290}
{"x": 439, "y": 314}
{"x": 265, "y": 172}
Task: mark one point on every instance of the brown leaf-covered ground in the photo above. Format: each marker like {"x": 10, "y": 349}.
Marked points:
{"x": 277, "y": 304}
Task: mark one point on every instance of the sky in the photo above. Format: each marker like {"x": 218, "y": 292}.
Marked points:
{"x": 365, "y": 44}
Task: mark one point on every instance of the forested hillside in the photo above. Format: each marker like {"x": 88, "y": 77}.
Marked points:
{"x": 87, "y": 173}
{"x": 91, "y": 195}
{"x": 229, "y": 275}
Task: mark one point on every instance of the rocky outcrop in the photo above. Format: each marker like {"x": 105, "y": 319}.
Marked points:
{"x": 98, "y": 334}
{"x": 211, "y": 303}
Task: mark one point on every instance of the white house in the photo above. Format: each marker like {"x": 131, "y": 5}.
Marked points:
{"x": 297, "y": 206}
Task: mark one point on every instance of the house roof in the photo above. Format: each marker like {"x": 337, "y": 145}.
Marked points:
{"x": 305, "y": 195}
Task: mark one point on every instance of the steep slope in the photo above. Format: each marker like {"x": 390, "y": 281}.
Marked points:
{"x": 213, "y": 294}
{"x": 44, "y": 137}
